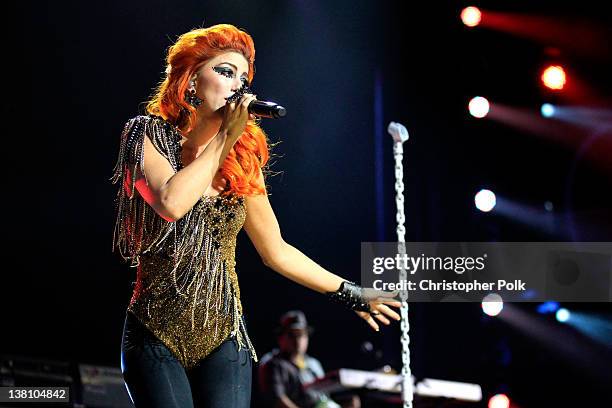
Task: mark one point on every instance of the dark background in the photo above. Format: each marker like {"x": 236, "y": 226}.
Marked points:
{"x": 81, "y": 69}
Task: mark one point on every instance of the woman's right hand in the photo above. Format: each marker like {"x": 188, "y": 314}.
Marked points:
{"x": 235, "y": 117}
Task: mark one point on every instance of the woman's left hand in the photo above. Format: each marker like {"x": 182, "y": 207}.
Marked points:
{"x": 380, "y": 311}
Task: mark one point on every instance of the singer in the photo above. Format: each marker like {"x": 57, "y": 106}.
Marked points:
{"x": 190, "y": 175}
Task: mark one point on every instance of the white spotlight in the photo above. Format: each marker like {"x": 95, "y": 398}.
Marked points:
{"x": 547, "y": 110}
{"x": 471, "y": 16}
{"x": 499, "y": 401}
{"x": 492, "y": 304}
{"x": 479, "y": 107}
{"x": 563, "y": 315}
{"x": 485, "y": 200}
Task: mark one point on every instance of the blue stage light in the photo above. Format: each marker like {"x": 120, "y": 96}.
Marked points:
{"x": 548, "y": 307}
{"x": 547, "y": 110}
{"x": 563, "y": 315}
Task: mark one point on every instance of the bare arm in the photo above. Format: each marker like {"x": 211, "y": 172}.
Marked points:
{"x": 172, "y": 194}
{"x": 262, "y": 228}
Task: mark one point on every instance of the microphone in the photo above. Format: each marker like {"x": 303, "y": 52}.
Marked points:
{"x": 267, "y": 109}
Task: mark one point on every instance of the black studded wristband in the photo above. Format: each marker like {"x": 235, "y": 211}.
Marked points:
{"x": 351, "y": 296}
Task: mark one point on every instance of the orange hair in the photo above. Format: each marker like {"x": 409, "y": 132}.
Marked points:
{"x": 185, "y": 56}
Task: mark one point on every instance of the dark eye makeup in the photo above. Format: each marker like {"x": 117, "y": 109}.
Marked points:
{"x": 227, "y": 72}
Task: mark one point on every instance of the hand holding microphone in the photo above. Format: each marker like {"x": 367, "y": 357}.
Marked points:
{"x": 235, "y": 116}
{"x": 263, "y": 109}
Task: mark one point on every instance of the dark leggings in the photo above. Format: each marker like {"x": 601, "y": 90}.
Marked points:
{"x": 156, "y": 379}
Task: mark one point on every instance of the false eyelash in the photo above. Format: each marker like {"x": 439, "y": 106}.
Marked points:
{"x": 223, "y": 71}
{"x": 229, "y": 73}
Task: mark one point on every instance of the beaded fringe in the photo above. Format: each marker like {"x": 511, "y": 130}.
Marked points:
{"x": 199, "y": 275}
{"x": 240, "y": 332}
{"x": 129, "y": 233}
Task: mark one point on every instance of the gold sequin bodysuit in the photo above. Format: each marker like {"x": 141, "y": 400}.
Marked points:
{"x": 186, "y": 291}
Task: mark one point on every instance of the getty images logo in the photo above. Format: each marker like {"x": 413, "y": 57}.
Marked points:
{"x": 412, "y": 264}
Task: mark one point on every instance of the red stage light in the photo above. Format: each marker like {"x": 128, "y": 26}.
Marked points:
{"x": 499, "y": 401}
{"x": 554, "y": 77}
{"x": 471, "y": 16}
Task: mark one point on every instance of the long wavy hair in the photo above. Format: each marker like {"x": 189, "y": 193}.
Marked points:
{"x": 185, "y": 56}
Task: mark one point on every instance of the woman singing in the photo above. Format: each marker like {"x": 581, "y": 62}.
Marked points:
{"x": 190, "y": 177}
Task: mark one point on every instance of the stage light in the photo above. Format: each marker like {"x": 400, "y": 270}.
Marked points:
{"x": 471, "y": 16}
{"x": 492, "y": 304}
{"x": 548, "y": 307}
{"x": 479, "y": 107}
{"x": 499, "y": 401}
{"x": 593, "y": 325}
{"x": 547, "y": 110}
{"x": 485, "y": 200}
{"x": 554, "y": 77}
{"x": 562, "y": 315}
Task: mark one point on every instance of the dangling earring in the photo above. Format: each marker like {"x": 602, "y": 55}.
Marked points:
{"x": 191, "y": 97}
